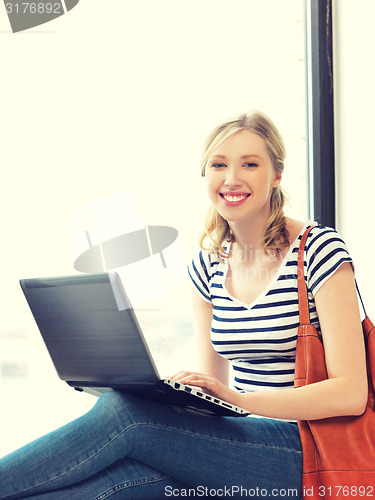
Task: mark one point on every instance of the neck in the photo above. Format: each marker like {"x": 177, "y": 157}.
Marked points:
{"x": 249, "y": 237}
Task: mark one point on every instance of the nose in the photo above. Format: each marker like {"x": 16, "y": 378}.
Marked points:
{"x": 232, "y": 177}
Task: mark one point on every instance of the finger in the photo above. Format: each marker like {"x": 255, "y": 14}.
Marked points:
{"x": 179, "y": 375}
{"x": 195, "y": 380}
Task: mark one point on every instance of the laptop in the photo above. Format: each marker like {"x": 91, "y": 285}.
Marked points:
{"x": 96, "y": 344}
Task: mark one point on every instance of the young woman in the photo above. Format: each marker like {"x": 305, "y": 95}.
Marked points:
{"x": 246, "y": 315}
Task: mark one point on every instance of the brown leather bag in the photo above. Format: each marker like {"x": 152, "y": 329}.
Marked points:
{"x": 338, "y": 452}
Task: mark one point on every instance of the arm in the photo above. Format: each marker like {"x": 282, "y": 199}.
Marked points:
{"x": 212, "y": 366}
{"x": 209, "y": 361}
{"x": 345, "y": 391}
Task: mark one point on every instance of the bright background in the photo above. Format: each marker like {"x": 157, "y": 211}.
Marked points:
{"x": 117, "y": 95}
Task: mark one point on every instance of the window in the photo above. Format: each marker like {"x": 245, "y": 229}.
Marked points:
{"x": 123, "y": 96}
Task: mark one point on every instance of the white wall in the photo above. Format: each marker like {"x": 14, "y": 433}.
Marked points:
{"x": 354, "y": 42}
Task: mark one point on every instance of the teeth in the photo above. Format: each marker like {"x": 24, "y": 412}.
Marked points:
{"x": 234, "y": 198}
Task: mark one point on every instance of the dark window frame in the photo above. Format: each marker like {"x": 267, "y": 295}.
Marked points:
{"x": 321, "y": 111}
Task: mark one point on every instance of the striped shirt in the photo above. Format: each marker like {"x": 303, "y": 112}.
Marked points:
{"x": 260, "y": 339}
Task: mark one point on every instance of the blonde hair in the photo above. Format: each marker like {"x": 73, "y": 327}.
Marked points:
{"x": 217, "y": 230}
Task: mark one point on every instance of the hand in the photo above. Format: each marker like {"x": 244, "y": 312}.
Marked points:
{"x": 206, "y": 383}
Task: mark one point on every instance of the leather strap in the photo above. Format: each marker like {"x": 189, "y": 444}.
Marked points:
{"x": 303, "y": 302}
{"x": 360, "y": 298}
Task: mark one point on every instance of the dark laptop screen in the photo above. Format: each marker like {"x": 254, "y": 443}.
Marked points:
{"x": 88, "y": 338}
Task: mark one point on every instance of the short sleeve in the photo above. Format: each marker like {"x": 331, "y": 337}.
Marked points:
{"x": 325, "y": 252}
{"x": 199, "y": 270}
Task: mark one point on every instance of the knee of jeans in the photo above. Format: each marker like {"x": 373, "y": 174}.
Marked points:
{"x": 112, "y": 398}
{"x": 114, "y": 402}
{"x": 112, "y": 407}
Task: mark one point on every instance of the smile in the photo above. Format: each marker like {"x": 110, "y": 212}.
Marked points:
{"x": 234, "y": 199}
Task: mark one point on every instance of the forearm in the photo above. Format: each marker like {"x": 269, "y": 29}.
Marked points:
{"x": 332, "y": 397}
{"x": 215, "y": 366}
{"x": 329, "y": 398}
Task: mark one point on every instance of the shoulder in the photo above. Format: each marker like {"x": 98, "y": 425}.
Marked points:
{"x": 201, "y": 262}
{"x": 200, "y": 270}
{"x": 326, "y": 251}
{"x": 324, "y": 239}
{"x": 295, "y": 228}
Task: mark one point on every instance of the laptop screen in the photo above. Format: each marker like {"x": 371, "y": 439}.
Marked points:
{"x": 88, "y": 338}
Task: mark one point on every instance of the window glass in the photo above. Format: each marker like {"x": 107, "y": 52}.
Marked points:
{"x": 118, "y": 95}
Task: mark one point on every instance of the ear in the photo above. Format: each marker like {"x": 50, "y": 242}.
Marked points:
{"x": 277, "y": 180}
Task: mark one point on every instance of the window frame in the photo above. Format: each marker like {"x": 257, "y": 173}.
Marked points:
{"x": 320, "y": 112}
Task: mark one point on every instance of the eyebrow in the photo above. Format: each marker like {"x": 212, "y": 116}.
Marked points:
{"x": 250, "y": 156}
{"x": 243, "y": 157}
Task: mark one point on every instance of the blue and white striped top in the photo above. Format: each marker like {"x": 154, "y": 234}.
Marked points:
{"x": 260, "y": 339}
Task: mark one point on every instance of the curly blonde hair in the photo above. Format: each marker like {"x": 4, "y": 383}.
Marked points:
{"x": 217, "y": 230}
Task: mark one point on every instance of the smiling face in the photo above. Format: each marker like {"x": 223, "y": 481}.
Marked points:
{"x": 240, "y": 177}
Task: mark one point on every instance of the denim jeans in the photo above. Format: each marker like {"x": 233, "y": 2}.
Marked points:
{"x": 126, "y": 447}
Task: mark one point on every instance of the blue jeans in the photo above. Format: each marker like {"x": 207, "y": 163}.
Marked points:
{"x": 126, "y": 447}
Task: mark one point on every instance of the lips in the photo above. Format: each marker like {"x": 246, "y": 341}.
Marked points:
{"x": 234, "y": 199}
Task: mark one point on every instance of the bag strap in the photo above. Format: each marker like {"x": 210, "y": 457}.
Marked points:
{"x": 360, "y": 298}
{"x": 303, "y": 302}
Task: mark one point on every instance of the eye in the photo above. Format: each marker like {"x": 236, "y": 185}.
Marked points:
{"x": 250, "y": 164}
{"x": 218, "y": 165}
